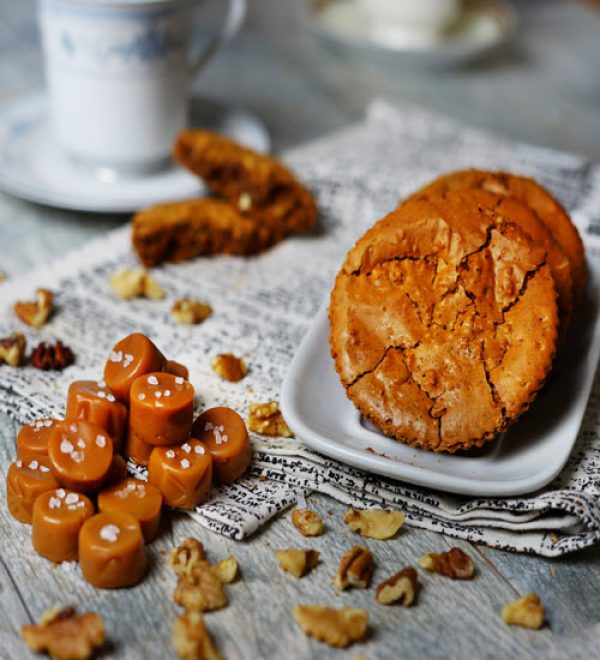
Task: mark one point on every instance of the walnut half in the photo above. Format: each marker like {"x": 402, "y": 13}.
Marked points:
{"x": 187, "y": 311}
{"x": 400, "y": 588}
{"x": 454, "y": 564}
{"x": 374, "y": 523}
{"x": 36, "y": 313}
{"x": 66, "y": 635}
{"x": 338, "y": 628}
{"x": 191, "y": 639}
{"x": 135, "y": 283}
{"x": 12, "y": 349}
{"x": 297, "y": 562}
{"x": 229, "y": 367}
{"x": 266, "y": 419}
{"x": 307, "y": 522}
{"x": 188, "y": 553}
{"x": 200, "y": 590}
{"x": 226, "y": 570}
{"x": 527, "y": 611}
{"x": 355, "y": 569}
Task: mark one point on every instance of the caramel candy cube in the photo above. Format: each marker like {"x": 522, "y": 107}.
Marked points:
{"x": 138, "y": 498}
{"x": 183, "y": 474}
{"x": 81, "y": 454}
{"x": 161, "y": 408}
{"x": 112, "y": 553}
{"x": 25, "y": 481}
{"x": 32, "y": 439}
{"x": 224, "y": 434}
{"x": 132, "y": 357}
{"x": 136, "y": 449}
{"x": 57, "y": 518}
{"x": 93, "y": 401}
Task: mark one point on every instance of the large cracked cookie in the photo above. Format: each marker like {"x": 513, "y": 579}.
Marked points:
{"x": 560, "y": 228}
{"x": 444, "y": 322}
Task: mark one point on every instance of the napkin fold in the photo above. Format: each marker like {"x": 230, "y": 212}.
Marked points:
{"x": 264, "y": 305}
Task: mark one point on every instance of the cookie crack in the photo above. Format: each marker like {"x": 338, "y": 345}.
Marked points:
{"x": 488, "y": 377}
{"x": 530, "y": 274}
{"x": 407, "y": 257}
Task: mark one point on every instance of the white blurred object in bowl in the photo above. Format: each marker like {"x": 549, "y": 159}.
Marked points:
{"x": 425, "y": 16}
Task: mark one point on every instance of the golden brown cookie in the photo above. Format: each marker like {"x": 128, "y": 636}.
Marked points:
{"x": 183, "y": 230}
{"x": 541, "y": 202}
{"x": 444, "y": 322}
{"x": 255, "y": 184}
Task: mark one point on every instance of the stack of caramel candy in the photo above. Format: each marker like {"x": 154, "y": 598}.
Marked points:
{"x": 67, "y": 470}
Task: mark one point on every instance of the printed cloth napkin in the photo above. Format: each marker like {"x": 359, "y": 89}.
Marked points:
{"x": 264, "y": 305}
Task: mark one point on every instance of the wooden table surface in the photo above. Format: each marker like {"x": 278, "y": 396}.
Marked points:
{"x": 543, "y": 88}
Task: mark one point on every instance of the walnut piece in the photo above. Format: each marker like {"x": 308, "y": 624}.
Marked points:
{"x": 200, "y": 590}
{"x": 527, "y": 611}
{"x": 355, "y": 569}
{"x": 187, "y": 311}
{"x": 186, "y": 555}
{"x": 229, "y": 367}
{"x": 66, "y": 635}
{"x": 36, "y": 313}
{"x": 400, "y": 588}
{"x": 338, "y": 628}
{"x": 454, "y": 564}
{"x": 135, "y": 283}
{"x": 191, "y": 639}
{"x": 226, "y": 570}
{"x": 266, "y": 419}
{"x": 55, "y": 357}
{"x": 374, "y": 523}
{"x": 297, "y": 562}
{"x": 12, "y": 349}
{"x": 308, "y": 523}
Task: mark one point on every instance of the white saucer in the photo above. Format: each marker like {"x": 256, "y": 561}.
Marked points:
{"x": 484, "y": 25}
{"x": 33, "y": 167}
{"x": 525, "y": 458}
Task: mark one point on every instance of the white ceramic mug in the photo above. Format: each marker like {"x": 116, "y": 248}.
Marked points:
{"x": 118, "y": 74}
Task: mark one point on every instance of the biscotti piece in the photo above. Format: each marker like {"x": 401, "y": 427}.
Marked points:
{"x": 255, "y": 184}
{"x": 183, "y": 230}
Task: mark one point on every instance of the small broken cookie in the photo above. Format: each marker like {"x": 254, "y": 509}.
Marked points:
{"x": 229, "y": 367}
{"x": 188, "y": 311}
{"x": 454, "y": 564}
{"x": 374, "y": 523}
{"x": 52, "y": 357}
{"x": 355, "y": 569}
{"x": 297, "y": 562}
{"x": 338, "y": 628}
{"x": 65, "y": 635}
{"x": 527, "y": 611}
{"x": 200, "y": 590}
{"x": 401, "y": 588}
{"x": 308, "y": 523}
{"x": 135, "y": 283}
{"x": 226, "y": 570}
{"x": 12, "y": 349}
{"x": 191, "y": 639}
{"x": 36, "y": 313}
{"x": 186, "y": 555}
{"x": 266, "y": 419}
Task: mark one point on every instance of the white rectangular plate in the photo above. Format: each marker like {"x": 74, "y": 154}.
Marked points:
{"x": 528, "y": 456}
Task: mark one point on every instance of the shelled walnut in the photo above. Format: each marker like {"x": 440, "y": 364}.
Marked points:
{"x": 527, "y": 611}
{"x": 229, "y": 367}
{"x": 297, "y": 562}
{"x": 191, "y": 639}
{"x": 266, "y": 419}
{"x": 401, "y": 588}
{"x": 338, "y": 628}
{"x": 454, "y": 564}
{"x": 65, "y": 635}
{"x": 226, "y": 570}
{"x": 36, "y": 313}
{"x": 355, "y": 569}
{"x": 308, "y": 523}
{"x": 186, "y": 555}
{"x": 51, "y": 357}
{"x": 200, "y": 590}
{"x": 135, "y": 283}
{"x": 374, "y": 523}
{"x": 12, "y": 349}
{"x": 187, "y": 311}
